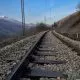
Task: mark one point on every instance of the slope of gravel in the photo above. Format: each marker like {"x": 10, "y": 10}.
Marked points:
{"x": 62, "y": 53}
{"x": 72, "y": 43}
{"x": 65, "y": 53}
{"x": 12, "y": 54}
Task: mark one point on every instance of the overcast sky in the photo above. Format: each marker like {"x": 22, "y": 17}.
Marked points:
{"x": 36, "y": 10}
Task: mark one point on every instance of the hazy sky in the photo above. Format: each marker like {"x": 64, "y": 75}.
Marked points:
{"x": 36, "y": 10}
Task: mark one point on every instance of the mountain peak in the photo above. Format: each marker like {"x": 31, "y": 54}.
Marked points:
{"x": 3, "y": 17}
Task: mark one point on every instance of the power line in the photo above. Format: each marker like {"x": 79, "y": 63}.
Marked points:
{"x": 23, "y": 17}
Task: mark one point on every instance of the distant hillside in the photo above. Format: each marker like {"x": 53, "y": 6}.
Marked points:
{"x": 69, "y": 24}
{"x": 29, "y": 32}
{"x": 10, "y": 27}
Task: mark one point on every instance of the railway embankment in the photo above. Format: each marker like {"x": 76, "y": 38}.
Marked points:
{"x": 75, "y": 45}
{"x": 14, "y": 53}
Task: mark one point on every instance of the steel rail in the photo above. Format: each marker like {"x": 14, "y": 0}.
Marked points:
{"x": 19, "y": 69}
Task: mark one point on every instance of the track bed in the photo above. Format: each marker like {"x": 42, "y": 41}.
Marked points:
{"x": 41, "y": 61}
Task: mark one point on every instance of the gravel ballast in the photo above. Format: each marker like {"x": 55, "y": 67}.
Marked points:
{"x": 66, "y": 53}
{"x": 13, "y": 54}
{"x": 62, "y": 53}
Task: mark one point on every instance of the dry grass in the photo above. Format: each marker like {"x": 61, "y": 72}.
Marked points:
{"x": 69, "y": 24}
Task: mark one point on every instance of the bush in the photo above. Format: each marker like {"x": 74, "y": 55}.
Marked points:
{"x": 41, "y": 27}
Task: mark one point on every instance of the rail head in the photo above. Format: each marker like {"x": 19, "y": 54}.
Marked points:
{"x": 19, "y": 69}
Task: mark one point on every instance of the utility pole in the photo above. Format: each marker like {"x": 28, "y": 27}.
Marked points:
{"x": 45, "y": 19}
{"x": 23, "y": 17}
{"x": 50, "y": 14}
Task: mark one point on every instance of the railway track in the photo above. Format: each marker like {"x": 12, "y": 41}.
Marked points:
{"x": 38, "y": 61}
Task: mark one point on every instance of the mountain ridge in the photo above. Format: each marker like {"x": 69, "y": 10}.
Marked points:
{"x": 10, "y": 26}
{"x": 69, "y": 24}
